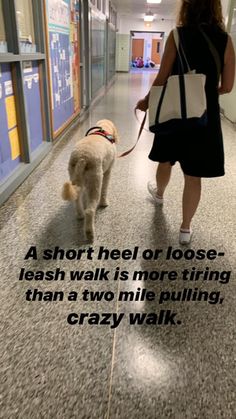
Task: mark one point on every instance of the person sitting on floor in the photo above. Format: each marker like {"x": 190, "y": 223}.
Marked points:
{"x": 152, "y": 64}
{"x": 149, "y": 63}
{"x": 140, "y": 62}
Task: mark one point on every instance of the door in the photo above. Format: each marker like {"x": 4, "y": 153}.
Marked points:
{"x": 137, "y": 48}
{"x": 156, "y": 50}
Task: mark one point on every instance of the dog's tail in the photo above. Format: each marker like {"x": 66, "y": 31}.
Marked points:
{"x": 70, "y": 192}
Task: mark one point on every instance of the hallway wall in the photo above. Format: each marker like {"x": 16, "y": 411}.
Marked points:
{"x": 51, "y": 69}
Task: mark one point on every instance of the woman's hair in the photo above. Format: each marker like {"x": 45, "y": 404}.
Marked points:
{"x": 196, "y": 12}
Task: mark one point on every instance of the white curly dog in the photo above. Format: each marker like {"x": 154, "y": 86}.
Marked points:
{"x": 89, "y": 169}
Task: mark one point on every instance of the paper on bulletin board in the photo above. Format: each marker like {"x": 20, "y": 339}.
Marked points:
{"x": 11, "y": 112}
{"x": 59, "y": 13}
{"x": 63, "y": 28}
{"x": 15, "y": 144}
{"x": 8, "y": 88}
{"x": 27, "y": 67}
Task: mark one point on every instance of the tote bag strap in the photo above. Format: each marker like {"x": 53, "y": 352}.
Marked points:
{"x": 211, "y": 47}
{"x": 213, "y": 51}
{"x": 180, "y": 50}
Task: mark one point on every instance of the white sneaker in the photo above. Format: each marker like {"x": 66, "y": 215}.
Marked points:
{"x": 153, "y": 192}
{"x": 185, "y": 236}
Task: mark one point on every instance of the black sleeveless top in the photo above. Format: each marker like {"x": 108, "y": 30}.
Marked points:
{"x": 201, "y": 155}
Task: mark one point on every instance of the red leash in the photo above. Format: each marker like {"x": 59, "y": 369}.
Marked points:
{"x": 139, "y": 135}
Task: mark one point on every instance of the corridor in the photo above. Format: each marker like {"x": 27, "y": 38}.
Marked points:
{"x": 51, "y": 369}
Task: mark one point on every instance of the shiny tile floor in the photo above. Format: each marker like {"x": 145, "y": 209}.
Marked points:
{"x": 50, "y": 369}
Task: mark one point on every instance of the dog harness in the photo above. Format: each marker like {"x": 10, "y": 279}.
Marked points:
{"x": 102, "y": 132}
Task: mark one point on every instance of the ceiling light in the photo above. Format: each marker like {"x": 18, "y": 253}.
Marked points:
{"x": 148, "y": 17}
{"x": 153, "y": 1}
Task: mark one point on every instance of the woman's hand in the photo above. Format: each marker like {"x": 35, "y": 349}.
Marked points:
{"x": 142, "y": 104}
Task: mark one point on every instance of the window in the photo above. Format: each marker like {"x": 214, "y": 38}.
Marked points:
{"x": 112, "y": 15}
{"x": 104, "y": 9}
{"x": 97, "y": 53}
{"x": 25, "y": 24}
{"x": 3, "y": 44}
{"x": 110, "y": 11}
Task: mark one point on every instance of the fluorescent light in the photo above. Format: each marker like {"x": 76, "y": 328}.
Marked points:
{"x": 148, "y": 17}
{"x": 153, "y": 1}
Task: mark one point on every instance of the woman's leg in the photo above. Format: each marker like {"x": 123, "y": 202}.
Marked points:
{"x": 191, "y": 198}
{"x": 162, "y": 177}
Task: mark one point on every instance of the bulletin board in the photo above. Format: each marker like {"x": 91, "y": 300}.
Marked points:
{"x": 74, "y": 40}
{"x": 63, "y": 49}
{"x": 9, "y": 138}
{"x": 33, "y": 103}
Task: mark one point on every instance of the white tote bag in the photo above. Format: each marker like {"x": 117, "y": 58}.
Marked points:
{"x": 181, "y": 103}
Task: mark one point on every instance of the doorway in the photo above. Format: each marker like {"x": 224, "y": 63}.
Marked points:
{"x": 149, "y": 45}
{"x": 137, "y": 48}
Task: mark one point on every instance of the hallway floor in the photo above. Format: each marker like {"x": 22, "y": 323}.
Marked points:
{"x": 52, "y": 370}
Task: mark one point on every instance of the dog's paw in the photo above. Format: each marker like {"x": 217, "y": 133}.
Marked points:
{"x": 80, "y": 216}
{"x": 103, "y": 203}
{"x": 89, "y": 235}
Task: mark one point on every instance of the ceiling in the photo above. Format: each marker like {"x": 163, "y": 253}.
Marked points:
{"x": 137, "y": 8}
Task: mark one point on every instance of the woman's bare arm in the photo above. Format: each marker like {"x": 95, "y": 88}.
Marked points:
{"x": 228, "y": 73}
{"x": 166, "y": 62}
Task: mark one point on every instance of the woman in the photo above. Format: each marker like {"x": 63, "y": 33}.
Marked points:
{"x": 140, "y": 62}
{"x": 201, "y": 154}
